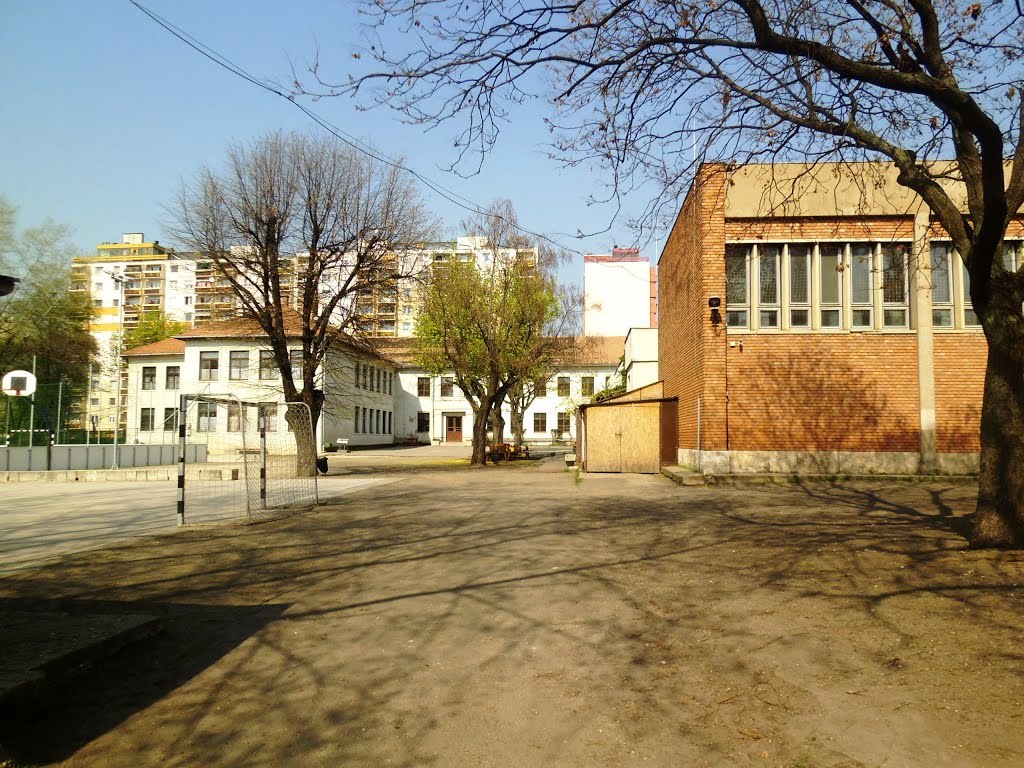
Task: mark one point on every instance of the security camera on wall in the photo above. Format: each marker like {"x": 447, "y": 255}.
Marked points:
{"x": 714, "y": 302}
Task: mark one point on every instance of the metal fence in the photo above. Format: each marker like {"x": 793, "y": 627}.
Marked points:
{"x": 75, "y": 457}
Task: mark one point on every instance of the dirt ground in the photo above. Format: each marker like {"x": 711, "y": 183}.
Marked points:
{"x": 513, "y": 617}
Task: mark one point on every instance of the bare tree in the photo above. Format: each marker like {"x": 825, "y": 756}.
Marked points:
{"x": 651, "y": 90}
{"x": 299, "y": 225}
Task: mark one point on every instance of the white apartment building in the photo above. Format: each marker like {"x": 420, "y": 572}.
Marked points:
{"x": 620, "y": 291}
{"x": 640, "y": 361}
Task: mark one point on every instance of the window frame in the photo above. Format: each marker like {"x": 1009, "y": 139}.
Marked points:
{"x": 148, "y": 377}
{"x": 564, "y": 384}
{"x": 172, "y": 382}
{"x": 236, "y": 372}
{"x": 540, "y": 423}
{"x": 268, "y": 370}
{"x": 423, "y": 386}
{"x": 209, "y": 365}
{"x": 147, "y": 419}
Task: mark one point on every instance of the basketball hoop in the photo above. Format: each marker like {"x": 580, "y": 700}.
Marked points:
{"x": 19, "y": 384}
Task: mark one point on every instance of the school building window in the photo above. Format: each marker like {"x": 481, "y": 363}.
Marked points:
{"x": 800, "y": 286}
{"x": 170, "y": 419}
{"x": 563, "y": 386}
{"x": 588, "y": 385}
{"x": 422, "y": 422}
{"x": 234, "y": 418}
{"x": 540, "y": 422}
{"x": 146, "y": 416}
{"x": 238, "y": 363}
{"x": 423, "y": 386}
{"x": 173, "y": 380}
{"x": 208, "y": 365}
{"x": 563, "y": 422}
{"x": 268, "y": 366}
{"x": 447, "y": 386}
{"x": 149, "y": 377}
{"x": 206, "y": 417}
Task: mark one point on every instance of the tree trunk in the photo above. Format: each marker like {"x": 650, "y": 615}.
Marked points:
{"x": 999, "y": 521}
{"x": 517, "y": 426}
{"x": 499, "y": 423}
{"x": 303, "y": 427}
{"x": 480, "y": 414}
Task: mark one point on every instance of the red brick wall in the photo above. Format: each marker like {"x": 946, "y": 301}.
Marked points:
{"x": 824, "y": 392}
{"x": 691, "y": 358}
{"x": 879, "y": 228}
{"x": 960, "y": 360}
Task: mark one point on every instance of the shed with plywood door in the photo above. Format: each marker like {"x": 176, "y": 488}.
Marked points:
{"x": 634, "y": 432}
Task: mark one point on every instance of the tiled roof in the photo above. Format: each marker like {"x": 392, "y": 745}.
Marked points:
{"x": 244, "y": 327}
{"x": 165, "y": 347}
{"x": 579, "y": 351}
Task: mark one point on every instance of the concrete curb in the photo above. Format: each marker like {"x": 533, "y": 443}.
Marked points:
{"x": 688, "y": 477}
{"x": 91, "y": 475}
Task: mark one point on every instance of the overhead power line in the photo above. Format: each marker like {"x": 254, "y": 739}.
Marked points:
{"x": 352, "y": 141}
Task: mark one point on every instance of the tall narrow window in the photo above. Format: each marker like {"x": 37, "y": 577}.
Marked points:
{"x": 860, "y": 277}
{"x": 208, "y": 364}
{"x": 540, "y": 422}
{"x": 206, "y": 418}
{"x": 768, "y": 258}
{"x": 295, "y": 358}
{"x": 173, "y": 380}
{"x": 894, "y": 285}
{"x": 238, "y": 362}
{"x": 422, "y": 422}
{"x": 1012, "y": 255}
{"x": 830, "y": 281}
{"x": 800, "y": 286}
{"x": 737, "y": 300}
{"x": 364, "y": 420}
{"x": 423, "y": 386}
{"x": 970, "y": 316}
{"x": 366, "y": 376}
{"x": 170, "y": 419}
{"x": 447, "y": 386}
{"x": 588, "y": 386}
{"x": 234, "y": 418}
{"x": 355, "y": 411}
{"x": 270, "y": 414}
{"x": 563, "y": 422}
{"x": 563, "y": 386}
{"x": 268, "y": 365}
{"x": 357, "y": 378}
{"x": 540, "y": 389}
{"x": 942, "y": 286}
{"x": 146, "y": 419}
{"x": 149, "y": 377}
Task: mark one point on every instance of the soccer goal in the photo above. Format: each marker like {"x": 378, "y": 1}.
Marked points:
{"x": 256, "y": 460}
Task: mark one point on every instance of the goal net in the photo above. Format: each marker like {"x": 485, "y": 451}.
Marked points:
{"x": 257, "y": 459}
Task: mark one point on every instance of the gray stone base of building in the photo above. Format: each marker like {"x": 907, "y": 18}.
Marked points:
{"x": 823, "y": 462}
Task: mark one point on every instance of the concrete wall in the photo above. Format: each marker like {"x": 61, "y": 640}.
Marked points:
{"x": 617, "y": 297}
{"x": 641, "y": 357}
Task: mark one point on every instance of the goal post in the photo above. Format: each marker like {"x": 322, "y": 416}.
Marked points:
{"x": 250, "y": 463}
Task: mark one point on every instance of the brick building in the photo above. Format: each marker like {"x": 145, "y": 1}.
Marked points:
{"x": 845, "y": 340}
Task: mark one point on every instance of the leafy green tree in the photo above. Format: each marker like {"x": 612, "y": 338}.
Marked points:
{"x": 42, "y": 319}
{"x": 152, "y": 327}
{"x": 493, "y": 322}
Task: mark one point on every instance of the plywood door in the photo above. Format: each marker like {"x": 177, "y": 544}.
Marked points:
{"x": 624, "y": 438}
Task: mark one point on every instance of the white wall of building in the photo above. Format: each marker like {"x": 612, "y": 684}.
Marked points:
{"x": 641, "y": 357}
{"x": 617, "y": 297}
{"x": 437, "y": 405}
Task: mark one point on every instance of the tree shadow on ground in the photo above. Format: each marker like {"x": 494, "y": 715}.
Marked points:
{"x": 44, "y": 723}
{"x": 504, "y": 618}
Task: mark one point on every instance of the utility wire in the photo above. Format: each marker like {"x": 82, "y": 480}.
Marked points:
{"x": 346, "y": 138}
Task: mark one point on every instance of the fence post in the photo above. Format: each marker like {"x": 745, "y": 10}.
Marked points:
{"x": 182, "y": 413}
{"x": 261, "y": 418}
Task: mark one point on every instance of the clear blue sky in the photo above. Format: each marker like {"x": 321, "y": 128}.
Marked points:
{"x": 105, "y": 113}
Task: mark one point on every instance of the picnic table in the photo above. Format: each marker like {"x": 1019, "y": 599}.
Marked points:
{"x": 507, "y": 452}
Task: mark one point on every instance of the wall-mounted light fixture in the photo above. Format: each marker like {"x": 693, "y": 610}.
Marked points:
{"x": 716, "y": 316}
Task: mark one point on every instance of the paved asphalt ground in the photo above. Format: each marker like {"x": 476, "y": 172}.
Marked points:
{"x": 514, "y": 617}
{"x": 39, "y": 521}
{"x": 42, "y": 520}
